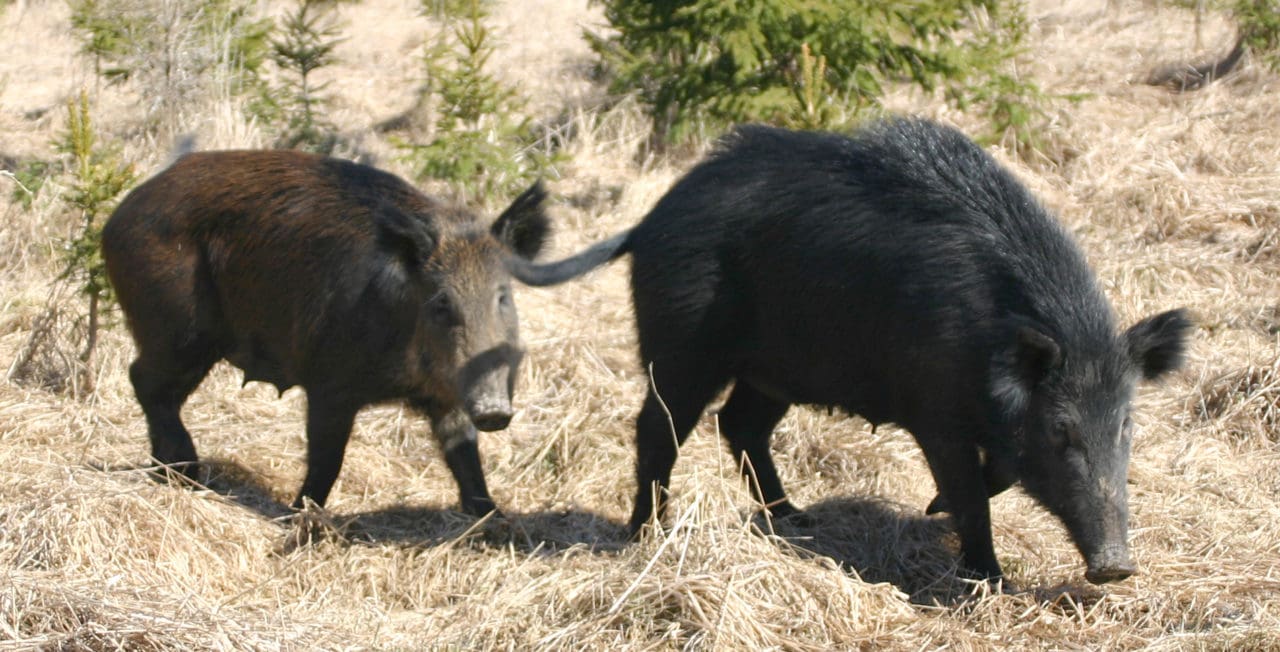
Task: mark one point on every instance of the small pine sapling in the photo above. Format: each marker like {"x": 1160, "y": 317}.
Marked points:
{"x": 476, "y": 144}
{"x": 814, "y": 108}
{"x": 1259, "y": 22}
{"x": 98, "y": 176}
{"x": 308, "y": 36}
{"x": 700, "y": 65}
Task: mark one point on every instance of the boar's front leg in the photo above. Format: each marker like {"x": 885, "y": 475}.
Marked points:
{"x": 998, "y": 474}
{"x": 328, "y": 429}
{"x": 457, "y": 436}
{"x": 957, "y": 470}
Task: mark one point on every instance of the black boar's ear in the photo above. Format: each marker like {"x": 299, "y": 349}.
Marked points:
{"x": 1029, "y": 358}
{"x": 406, "y": 235}
{"x": 1157, "y": 343}
{"x": 1034, "y": 355}
{"x": 524, "y": 225}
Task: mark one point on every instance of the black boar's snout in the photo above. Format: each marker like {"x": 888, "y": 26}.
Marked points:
{"x": 1111, "y": 564}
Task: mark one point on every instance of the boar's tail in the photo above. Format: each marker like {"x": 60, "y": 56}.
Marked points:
{"x": 185, "y": 144}
{"x": 541, "y": 274}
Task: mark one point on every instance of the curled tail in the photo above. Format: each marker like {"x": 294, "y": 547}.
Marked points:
{"x": 542, "y": 274}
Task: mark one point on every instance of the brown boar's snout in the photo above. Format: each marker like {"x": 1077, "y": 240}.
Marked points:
{"x": 489, "y": 416}
{"x": 487, "y": 382}
{"x": 1111, "y": 564}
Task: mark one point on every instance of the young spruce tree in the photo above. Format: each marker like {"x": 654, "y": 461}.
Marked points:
{"x": 704, "y": 64}
{"x": 96, "y": 175}
{"x": 476, "y": 144}
{"x": 99, "y": 175}
{"x": 1259, "y": 22}
{"x": 307, "y": 38}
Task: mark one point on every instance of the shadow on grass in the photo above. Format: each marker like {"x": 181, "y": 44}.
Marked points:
{"x": 412, "y": 526}
{"x": 229, "y": 479}
{"x": 882, "y": 541}
{"x": 546, "y": 531}
{"x": 874, "y": 539}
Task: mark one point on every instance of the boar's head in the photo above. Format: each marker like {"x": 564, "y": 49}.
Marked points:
{"x": 465, "y": 346}
{"x": 1070, "y": 411}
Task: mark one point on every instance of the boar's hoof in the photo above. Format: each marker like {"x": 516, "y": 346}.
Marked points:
{"x": 480, "y": 507}
{"x": 309, "y": 526}
{"x": 991, "y": 576}
{"x": 791, "y": 515}
{"x": 491, "y": 421}
{"x": 177, "y": 472}
{"x": 497, "y": 528}
{"x": 641, "y": 532}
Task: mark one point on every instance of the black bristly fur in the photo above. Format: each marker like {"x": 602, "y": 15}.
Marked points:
{"x": 903, "y": 275}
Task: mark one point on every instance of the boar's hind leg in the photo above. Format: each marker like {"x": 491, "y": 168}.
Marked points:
{"x": 328, "y": 429}
{"x": 747, "y": 421}
{"x": 663, "y": 424}
{"x": 957, "y": 470}
{"x": 162, "y": 383}
{"x": 457, "y": 437}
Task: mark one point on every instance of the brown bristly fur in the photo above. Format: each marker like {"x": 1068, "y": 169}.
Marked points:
{"x": 1174, "y": 197}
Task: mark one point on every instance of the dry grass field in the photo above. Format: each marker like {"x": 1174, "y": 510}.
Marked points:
{"x": 1174, "y": 197}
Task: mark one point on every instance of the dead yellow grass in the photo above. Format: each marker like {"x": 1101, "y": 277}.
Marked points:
{"x": 1176, "y": 199}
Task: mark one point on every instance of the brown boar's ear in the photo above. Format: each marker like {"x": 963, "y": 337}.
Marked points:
{"x": 1027, "y": 360}
{"x": 524, "y": 226}
{"x": 1157, "y": 343}
{"x": 408, "y": 236}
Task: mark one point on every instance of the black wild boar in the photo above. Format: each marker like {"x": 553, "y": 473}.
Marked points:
{"x": 334, "y": 276}
{"x": 900, "y": 274}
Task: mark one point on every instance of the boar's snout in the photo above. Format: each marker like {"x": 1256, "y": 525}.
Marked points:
{"x": 489, "y": 403}
{"x": 489, "y": 407}
{"x": 488, "y": 383}
{"x": 1111, "y": 564}
{"x": 490, "y": 417}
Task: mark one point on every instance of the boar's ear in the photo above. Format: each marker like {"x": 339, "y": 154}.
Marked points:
{"x": 1157, "y": 343}
{"x": 524, "y": 225}
{"x": 406, "y": 235}
{"x": 1027, "y": 360}
{"x": 1034, "y": 355}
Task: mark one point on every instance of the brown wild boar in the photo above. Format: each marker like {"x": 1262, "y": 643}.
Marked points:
{"x": 326, "y": 274}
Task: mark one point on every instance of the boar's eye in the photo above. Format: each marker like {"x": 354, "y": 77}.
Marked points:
{"x": 1065, "y": 435}
{"x": 440, "y": 307}
{"x": 1126, "y": 429}
{"x": 504, "y": 297}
